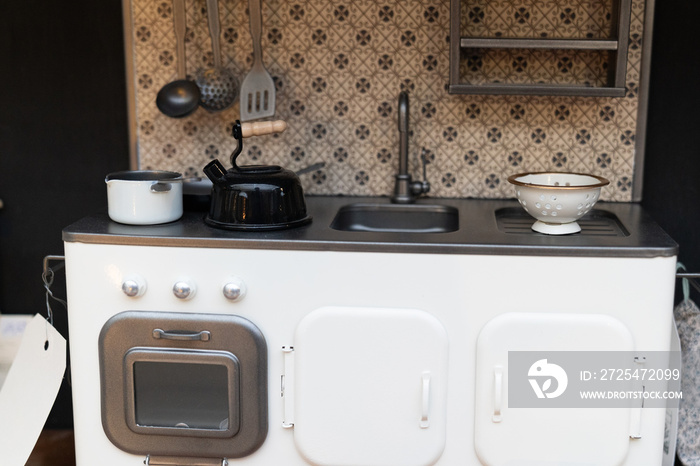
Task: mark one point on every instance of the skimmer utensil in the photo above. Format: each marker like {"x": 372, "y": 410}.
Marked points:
{"x": 218, "y": 85}
{"x": 258, "y": 88}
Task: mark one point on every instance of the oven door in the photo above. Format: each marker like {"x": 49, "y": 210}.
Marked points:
{"x": 171, "y": 384}
{"x": 170, "y": 391}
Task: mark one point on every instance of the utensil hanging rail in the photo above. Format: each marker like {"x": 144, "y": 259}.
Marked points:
{"x": 693, "y": 279}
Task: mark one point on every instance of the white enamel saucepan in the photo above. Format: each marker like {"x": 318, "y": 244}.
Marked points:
{"x": 144, "y": 197}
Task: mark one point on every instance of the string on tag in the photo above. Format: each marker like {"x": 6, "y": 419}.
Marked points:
{"x": 47, "y": 277}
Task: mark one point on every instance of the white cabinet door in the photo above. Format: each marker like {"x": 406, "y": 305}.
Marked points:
{"x": 546, "y": 436}
{"x": 370, "y": 387}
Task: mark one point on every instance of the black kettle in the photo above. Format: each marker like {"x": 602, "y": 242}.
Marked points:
{"x": 255, "y": 197}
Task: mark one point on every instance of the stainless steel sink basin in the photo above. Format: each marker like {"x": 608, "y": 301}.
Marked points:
{"x": 397, "y": 218}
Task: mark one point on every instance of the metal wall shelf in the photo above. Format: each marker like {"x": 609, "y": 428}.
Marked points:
{"x": 554, "y": 44}
{"x": 536, "y": 89}
{"x": 615, "y": 47}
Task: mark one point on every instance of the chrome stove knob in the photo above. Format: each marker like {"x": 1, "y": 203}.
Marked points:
{"x": 134, "y": 287}
{"x": 183, "y": 290}
{"x": 234, "y": 289}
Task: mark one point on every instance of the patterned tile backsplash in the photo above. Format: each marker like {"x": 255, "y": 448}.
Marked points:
{"x": 339, "y": 66}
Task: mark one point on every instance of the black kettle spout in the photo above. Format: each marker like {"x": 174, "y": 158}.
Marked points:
{"x": 215, "y": 171}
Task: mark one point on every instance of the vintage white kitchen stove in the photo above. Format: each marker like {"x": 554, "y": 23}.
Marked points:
{"x": 191, "y": 345}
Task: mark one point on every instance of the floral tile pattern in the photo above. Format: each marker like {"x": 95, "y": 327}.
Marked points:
{"x": 553, "y": 19}
{"x": 339, "y": 66}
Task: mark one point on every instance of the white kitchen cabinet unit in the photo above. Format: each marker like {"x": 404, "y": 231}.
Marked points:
{"x": 364, "y": 349}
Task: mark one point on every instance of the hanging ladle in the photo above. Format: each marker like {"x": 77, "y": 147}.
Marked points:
{"x": 179, "y": 98}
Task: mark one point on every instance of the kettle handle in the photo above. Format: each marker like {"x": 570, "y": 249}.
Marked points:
{"x": 261, "y": 128}
{"x": 245, "y": 130}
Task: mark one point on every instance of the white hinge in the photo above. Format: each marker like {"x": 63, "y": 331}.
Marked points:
{"x": 287, "y": 388}
{"x": 183, "y": 461}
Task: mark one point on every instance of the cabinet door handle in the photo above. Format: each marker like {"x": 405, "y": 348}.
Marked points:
{"x": 424, "y": 419}
{"x": 159, "y": 334}
{"x": 497, "y": 393}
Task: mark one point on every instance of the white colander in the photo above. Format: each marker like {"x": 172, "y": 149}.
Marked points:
{"x": 557, "y": 200}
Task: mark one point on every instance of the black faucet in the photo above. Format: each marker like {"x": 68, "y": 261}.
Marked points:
{"x": 406, "y": 190}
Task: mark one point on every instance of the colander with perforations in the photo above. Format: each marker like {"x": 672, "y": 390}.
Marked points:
{"x": 557, "y": 200}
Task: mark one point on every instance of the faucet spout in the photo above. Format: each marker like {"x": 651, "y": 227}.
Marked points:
{"x": 406, "y": 190}
{"x": 403, "y": 133}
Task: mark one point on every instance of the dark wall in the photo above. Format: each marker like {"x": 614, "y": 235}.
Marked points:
{"x": 63, "y": 126}
{"x": 672, "y": 170}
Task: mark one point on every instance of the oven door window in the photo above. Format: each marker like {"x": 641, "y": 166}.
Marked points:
{"x": 182, "y": 392}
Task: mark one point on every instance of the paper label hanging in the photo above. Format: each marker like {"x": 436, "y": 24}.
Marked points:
{"x": 30, "y": 390}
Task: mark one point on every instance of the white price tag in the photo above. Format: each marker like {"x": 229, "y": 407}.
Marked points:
{"x": 30, "y": 390}
{"x": 11, "y": 331}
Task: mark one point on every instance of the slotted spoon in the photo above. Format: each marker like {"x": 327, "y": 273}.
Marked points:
{"x": 218, "y": 85}
{"x": 258, "y": 88}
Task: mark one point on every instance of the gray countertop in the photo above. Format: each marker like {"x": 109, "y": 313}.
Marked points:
{"x": 485, "y": 227}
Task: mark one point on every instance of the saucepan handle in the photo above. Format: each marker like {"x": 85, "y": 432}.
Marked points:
{"x": 160, "y": 187}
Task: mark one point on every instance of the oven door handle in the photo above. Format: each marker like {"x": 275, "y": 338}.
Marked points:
{"x": 160, "y": 334}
